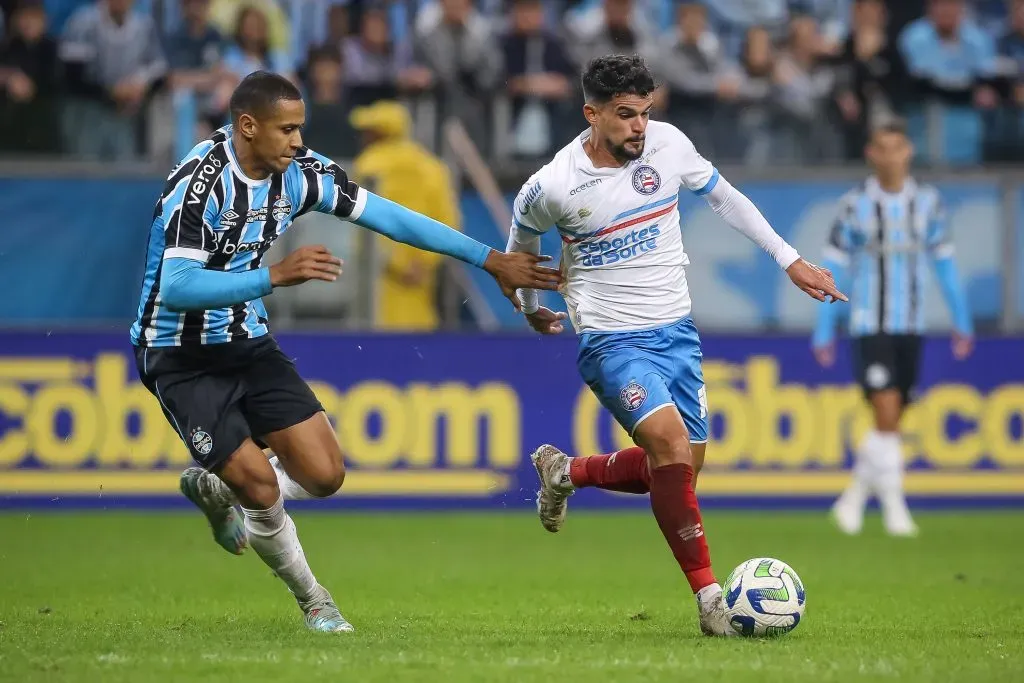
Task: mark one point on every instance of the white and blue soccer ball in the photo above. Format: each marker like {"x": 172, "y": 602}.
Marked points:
{"x": 764, "y": 597}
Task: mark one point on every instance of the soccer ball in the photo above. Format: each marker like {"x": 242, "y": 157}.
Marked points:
{"x": 764, "y": 597}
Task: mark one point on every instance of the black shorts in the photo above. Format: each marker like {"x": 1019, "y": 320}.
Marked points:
{"x": 218, "y": 395}
{"x": 887, "y": 361}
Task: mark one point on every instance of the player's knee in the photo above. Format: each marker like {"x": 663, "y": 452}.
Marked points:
{"x": 668, "y": 448}
{"x": 328, "y": 481}
{"x": 259, "y": 493}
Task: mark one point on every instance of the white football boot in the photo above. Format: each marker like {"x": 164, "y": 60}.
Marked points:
{"x": 555, "y": 486}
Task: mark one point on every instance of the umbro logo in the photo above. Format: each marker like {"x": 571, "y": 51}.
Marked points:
{"x": 229, "y": 219}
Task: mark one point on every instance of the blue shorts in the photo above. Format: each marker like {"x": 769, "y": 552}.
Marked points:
{"x": 634, "y": 374}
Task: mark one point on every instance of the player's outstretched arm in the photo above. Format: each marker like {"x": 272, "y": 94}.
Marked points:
{"x": 185, "y": 285}
{"x": 740, "y": 213}
{"x": 511, "y": 271}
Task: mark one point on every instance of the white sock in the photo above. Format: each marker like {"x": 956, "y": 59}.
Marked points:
{"x": 889, "y": 467}
{"x": 289, "y": 488}
{"x": 272, "y": 535}
{"x": 861, "y": 484}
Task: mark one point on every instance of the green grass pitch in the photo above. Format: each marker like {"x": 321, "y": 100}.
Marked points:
{"x": 133, "y": 597}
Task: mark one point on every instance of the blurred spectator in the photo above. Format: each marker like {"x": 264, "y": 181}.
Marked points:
{"x": 311, "y": 25}
{"x": 338, "y": 26}
{"x": 833, "y": 17}
{"x": 112, "y": 62}
{"x": 395, "y": 167}
{"x": 375, "y": 66}
{"x": 804, "y": 86}
{"x": 731, "y": 19}
{"x": 1007, "y": 136}
{"x": 952, "y": 63}
{"x": 873, "y": 75}
{"x": 464, "y": 64}
{"x": 195, "y": 55}
{"x": 752, "y": 139}
{"x": 29, "y": 83}
{"x": 327, "y": 127}
{"x": 251, "y": 51}
{"x": 618, "y": 31}
{"x": 538, "y": 73}
{"x": 696, "y": 75}
{"x": 226, "y": 15}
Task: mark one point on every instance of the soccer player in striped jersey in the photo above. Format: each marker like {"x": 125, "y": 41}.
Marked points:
{"x": 612, "y": 195}
{"x": 202, "y": 342}
{"x": 888, "y": 231}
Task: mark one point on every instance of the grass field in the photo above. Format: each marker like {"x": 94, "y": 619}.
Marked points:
{"x": 114, "y": 597}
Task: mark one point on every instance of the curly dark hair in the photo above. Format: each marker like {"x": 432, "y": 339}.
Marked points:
{"x": 611, "y": 75}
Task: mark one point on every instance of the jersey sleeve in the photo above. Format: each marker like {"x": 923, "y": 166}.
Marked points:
{"x": 843, "y": 238}
{"x": 188, "y": 229}
{"x": 326, "y": 188}
{"x": 696, "y": 174}
{"x": 938, "y": 239}
{"x": 535, "y": 210}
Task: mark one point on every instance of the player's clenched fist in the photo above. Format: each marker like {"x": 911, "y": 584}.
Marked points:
{"x": 304, "y": 264}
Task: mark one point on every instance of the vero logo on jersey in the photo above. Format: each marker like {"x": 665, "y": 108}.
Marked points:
{"x": 201, "y": 181}
{"x": 607, "y": 252}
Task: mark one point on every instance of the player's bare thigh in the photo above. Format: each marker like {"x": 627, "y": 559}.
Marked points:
{"x": 310, "y": 454}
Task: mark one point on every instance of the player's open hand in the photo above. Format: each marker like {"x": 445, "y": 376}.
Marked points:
{"x": 304, "y": 264}
{"x": 521, "y": 271}
{"x": 816, "y": 281}
{"x": 546, "y": 321}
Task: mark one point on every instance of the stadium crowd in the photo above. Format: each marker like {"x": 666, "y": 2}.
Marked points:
{"x": 767, "y": 82}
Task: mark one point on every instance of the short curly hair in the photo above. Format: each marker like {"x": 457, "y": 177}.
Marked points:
{"x": 611, "y": 75}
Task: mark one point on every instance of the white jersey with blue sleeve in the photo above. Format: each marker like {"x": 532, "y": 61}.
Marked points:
{"x": 622, "y": 248}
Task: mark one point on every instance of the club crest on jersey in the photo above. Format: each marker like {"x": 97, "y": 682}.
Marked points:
{"x": 201, "y": 441}
{"x": 632, "y": 396}
{"x": 646, "y": 180}
{"x": 281, "y": 209}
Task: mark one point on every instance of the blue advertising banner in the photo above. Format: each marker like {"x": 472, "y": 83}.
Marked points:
{"x": 447, "y": 421}
{"x": 97, "y": 234}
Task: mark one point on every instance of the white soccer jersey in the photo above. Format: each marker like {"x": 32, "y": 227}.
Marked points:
{"x": 622, "y": 249}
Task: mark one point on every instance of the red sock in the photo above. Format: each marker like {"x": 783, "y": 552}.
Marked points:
{"x": 624, "y": 471}
{"x": 675, "y": 507}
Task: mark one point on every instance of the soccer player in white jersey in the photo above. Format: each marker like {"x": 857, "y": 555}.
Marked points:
{"x": 612, "y": 195}
{"x": 887, "y": 232}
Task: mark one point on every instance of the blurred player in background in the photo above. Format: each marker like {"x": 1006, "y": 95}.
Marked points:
{"x": 202, "y": 342}
{"x": 888, "y": 230}
{"x": 397, "y": 167}
{"x": 612, "y": 194}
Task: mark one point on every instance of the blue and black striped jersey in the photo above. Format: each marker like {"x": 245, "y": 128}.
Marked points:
{"x": 885, "y": 243}
{"x": 210, "y": 211}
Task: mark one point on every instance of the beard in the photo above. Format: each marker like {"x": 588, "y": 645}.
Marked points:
{"x": 624, "y": 154}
